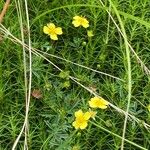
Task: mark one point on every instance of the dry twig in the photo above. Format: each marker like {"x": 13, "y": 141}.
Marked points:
{"x": 5, "y": 7}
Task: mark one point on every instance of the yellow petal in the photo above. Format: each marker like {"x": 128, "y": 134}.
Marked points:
{"x": 46, "y": 30}
{"x": 58, "y": 31}
{"x": 87, "y": 116}
{"x": 53, "y": 36}
{"x": 76, "y": 23}
{"x": 104, "y": 101}
{"x": 78, "y": 113}
{"x": 83, "y": 125}
{"x": 75, "y": 124}
{"x": 76, "y": 17}
{"x": 102, "y": 106}
{"x": 51, "y": 25}
{"x": 85, "y": 23}
{"x": 92, "y": 104}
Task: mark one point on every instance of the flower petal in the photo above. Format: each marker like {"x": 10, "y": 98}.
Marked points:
{"x": 102, "y": 106}
{"x": 75, "y": 124}
{"x": 78, "y": 113}
{"x": 76, "y": 17}
{"x": 83, "y": 125}
{"x": 87, "y": 116}
{"x": 53, "y": 36}
{"x": 76, "y": 23}
{"x": 58, "y": 31}
{"x": 51, "y": 25}
{"x": 92, "y": 103}
{"x": 104, "y": 101}
{"x": 46, "y": 30}
{"x": 85, "y": 23}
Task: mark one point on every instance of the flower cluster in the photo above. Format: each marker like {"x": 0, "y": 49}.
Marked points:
{"x": 81, "y": 118}
{"x": 54, "y": 31}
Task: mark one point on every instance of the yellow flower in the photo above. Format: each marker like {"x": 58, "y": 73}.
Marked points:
{"x": 81, "y": 120}
{"x": 52, "y": 31}
{"x": 80, "y": 21}
{"x": 98, "y": 102}
{"x": 90, "y": 33}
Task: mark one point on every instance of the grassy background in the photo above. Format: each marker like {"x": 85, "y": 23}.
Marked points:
{"x": 51, "y": 117}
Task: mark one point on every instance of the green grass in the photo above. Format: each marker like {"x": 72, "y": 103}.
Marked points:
{"x": 50, "y": 118}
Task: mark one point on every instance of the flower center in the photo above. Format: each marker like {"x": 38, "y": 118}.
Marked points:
{"x": 52, "y": 30}
{"x": 80, "y": 120}
{"x": 98, "y": 103}
{"x": 81, "y": 20}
